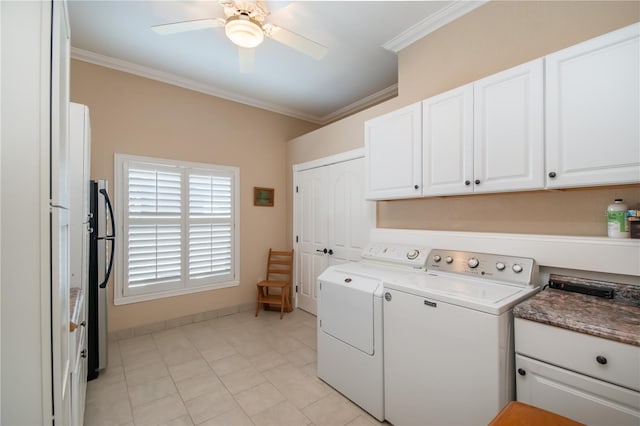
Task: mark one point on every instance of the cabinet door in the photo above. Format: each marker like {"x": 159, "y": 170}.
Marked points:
{"x": 508, "y": 130}
{"x": 572, "y": 395}
{"x": 79, "y": 159}
{"x": 393, "y": 144}
{"x": 447, "y": 150}
{"x": 593, "y": 111}
{"x": 60, "y": 221}
{"x": 79, "y": 377}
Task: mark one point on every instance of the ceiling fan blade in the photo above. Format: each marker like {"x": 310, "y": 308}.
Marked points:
{"x": 295, "y": 41}
{"x": 180, "y": 27}
{"x": 246, "y": 59}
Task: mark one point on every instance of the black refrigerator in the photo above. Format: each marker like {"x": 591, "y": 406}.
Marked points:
{"x": 101, "y": 252}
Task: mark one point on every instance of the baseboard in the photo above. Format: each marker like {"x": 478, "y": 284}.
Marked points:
{"x": 141, "y": 330}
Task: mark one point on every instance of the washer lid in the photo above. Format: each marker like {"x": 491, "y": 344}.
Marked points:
{"x": 482, "y": 292}
{"x": 492, "y": 298}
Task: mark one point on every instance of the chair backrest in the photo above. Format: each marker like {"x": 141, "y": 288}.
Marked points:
{"x": 280, "y": 266}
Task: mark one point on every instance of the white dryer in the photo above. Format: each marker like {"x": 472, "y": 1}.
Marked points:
{"x": 350, "y": 345}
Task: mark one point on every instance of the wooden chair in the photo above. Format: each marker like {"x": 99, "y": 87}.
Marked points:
{"x": 279, "y": 276}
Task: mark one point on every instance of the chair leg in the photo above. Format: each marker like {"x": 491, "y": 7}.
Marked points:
{"x": 258, "y": 302}
{"x": 281, "y": 304}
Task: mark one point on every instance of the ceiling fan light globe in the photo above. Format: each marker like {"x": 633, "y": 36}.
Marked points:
{"x": 244, "y": 31}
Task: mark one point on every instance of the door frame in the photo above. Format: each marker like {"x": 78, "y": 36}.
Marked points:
{"x": 313, "y": 164}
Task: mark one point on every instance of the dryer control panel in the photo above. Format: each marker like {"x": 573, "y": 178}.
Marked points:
{"x": 415, "y": 257}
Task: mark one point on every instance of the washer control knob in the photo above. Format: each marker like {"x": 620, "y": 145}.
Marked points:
{"x": 473, "y": 262}
{"x": 412, "y": 254}
{"x": 437, "y": 258}
{"x": 500, "y": 266}
{"x": 517, "y": 268}
{"x": 448, "y": 259}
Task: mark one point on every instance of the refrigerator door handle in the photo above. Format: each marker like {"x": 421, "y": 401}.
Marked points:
{"x": 111, "y": 238}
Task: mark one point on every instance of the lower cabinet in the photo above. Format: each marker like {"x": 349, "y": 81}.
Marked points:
{"x": 574, "y": 395}
{"x": 585, "y": 378}
{"x": 78, "y": 379}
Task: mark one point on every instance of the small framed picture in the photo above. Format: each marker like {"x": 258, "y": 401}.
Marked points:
{"x": 262, "y": 196}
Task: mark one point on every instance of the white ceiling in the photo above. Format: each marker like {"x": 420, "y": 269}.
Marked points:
{"x": 356, "y": 72}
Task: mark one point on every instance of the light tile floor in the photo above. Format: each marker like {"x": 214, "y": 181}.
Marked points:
{"x": 233, "y": 370}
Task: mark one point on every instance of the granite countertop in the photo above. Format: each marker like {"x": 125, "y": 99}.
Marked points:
{"x": 615, "y": 319}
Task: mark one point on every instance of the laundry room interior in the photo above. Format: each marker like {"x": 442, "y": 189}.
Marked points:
{"x": 435, "y": 222}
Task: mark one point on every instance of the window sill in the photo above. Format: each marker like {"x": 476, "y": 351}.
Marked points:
{"x": 125, "y": 300}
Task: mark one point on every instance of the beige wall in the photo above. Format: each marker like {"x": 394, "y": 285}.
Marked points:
{"x": 493, "y": 37}
{"x": 134, "y": 115}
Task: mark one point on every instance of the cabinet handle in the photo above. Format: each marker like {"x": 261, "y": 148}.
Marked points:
{"x": 601, "y": 360}
{"x": 83, "y": 354}
{"x": 552, "y": 174}
{"x": 467, "y": 182}
{"x": 477, "y": 182}
{"x": 521, "y": 372}
{"x": 330, "y": 251}
{"x": 322, "y": 251}
{"x": 416, "y": 186}
{"x": 83, "y": 324}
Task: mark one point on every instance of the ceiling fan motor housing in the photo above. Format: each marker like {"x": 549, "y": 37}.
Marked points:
{"x": 244, "y": 31}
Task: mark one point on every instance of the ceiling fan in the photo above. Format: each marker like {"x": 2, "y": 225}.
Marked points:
{"x": 244, "y": 25}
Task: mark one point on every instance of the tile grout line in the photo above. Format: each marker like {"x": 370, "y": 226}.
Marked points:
{"x": 207, "y": 325}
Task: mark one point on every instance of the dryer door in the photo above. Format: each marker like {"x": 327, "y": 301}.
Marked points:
{"x": 345, "y": 308}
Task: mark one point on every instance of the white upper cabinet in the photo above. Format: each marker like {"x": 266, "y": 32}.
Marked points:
{"x": 508, "y": 139}
{"x": 593, "y": 111}
{"x": 567, "y": 120}
{"x": 447, "y": 151}
{"x": 486, "y": 136}
{"x": 393, "y": 144}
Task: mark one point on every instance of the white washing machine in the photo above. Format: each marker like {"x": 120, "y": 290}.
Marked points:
{"x": 448, "y": 338}
{"x": 350, "y": 342}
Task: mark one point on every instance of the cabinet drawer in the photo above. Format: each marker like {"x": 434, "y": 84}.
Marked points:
{"x": 604, "y": 359}
{"x": 575, "y": 396}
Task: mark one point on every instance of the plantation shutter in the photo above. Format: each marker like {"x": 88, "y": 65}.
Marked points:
{"x": 154, "y": 234}
{"x": 211, "y": 228}
{"x": 178, "y": 225}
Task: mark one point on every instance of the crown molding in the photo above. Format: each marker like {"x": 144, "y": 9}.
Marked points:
{"x": 362, "y": 104}
{"x": 175, "y": 80}
{"x": 428, "y": 25}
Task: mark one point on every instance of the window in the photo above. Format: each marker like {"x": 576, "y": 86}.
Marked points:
{"x": 178, "y": 228}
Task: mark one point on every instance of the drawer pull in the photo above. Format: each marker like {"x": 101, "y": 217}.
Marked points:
{"x": 521, "y": 372}
{"x": 601, "y": 360}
